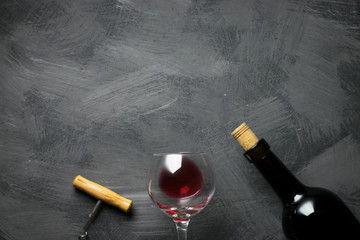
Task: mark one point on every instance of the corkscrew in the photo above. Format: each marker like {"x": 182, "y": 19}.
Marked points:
{"x": 104, "y": 195}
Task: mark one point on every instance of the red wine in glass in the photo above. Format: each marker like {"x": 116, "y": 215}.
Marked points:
{"x": 181, "y": 185}
{"x": 180, "y": 179}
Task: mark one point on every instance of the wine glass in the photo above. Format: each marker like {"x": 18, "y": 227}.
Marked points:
{"x": 181, "y": 185}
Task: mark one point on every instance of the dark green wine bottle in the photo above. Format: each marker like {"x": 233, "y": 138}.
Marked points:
{"x": 308, "y": 212}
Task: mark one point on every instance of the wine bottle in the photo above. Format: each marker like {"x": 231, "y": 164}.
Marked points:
{"x": 308, "y": 212}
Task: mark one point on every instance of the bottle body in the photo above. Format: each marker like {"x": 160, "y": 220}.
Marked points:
{"x": 309, "y": 213}
{"x": 319, "y": 214}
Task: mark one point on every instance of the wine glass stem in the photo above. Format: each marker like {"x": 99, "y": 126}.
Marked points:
{"x": 181, "y": 227}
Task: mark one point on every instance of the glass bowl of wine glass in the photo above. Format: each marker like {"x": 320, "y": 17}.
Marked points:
{"x": 181, "y": 185}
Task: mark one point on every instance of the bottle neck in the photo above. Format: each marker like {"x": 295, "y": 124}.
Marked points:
{"x": 285, "y": 184}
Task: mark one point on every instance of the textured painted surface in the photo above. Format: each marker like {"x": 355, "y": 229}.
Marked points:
{"x": 95, "y": 87}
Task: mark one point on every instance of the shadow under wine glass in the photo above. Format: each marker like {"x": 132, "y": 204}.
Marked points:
{"x": 181, "y": 185}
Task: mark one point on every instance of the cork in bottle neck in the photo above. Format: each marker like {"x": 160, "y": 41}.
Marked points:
{"x": 246, "y": 138}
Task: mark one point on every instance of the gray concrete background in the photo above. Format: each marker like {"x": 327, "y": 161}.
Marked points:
{"x": 95, "y": 87}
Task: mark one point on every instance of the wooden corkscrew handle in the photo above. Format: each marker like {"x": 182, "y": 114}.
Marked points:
{"x": 102, "y": 193}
